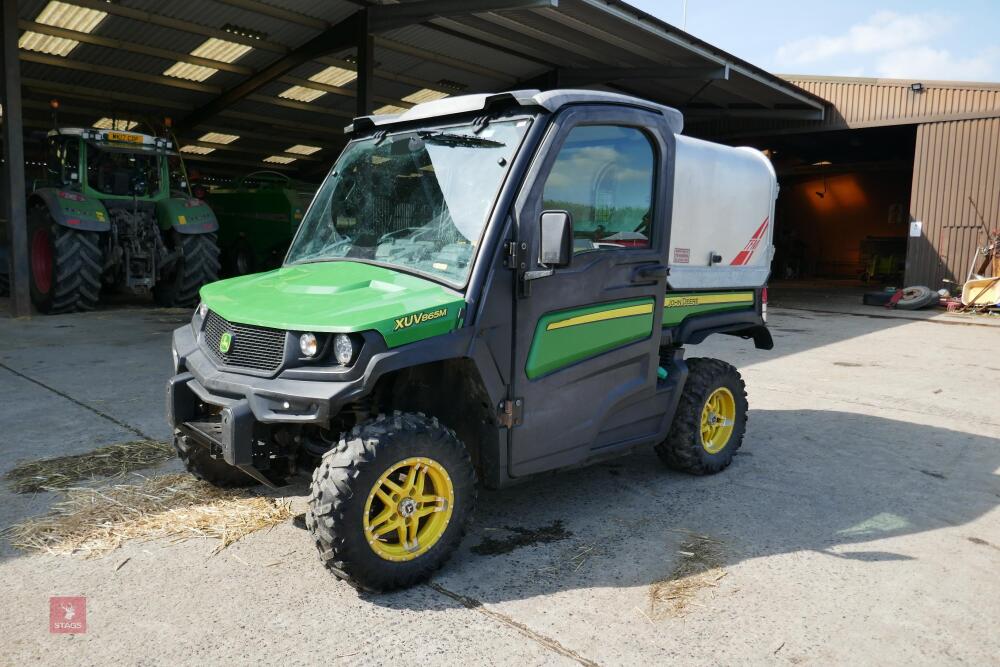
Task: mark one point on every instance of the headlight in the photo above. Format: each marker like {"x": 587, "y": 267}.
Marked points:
{"x": 343, "y": 348}
{"x": 308, "y": 344}
{"x": 177, "y": 359}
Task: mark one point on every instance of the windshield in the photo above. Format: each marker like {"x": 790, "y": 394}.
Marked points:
{"x": 417, "y": 200}
{"x": 125, "y": 172}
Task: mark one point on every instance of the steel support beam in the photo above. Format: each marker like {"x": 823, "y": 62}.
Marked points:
{"x": 784, "y": 114}
{"x": 366, "y": 66}
{"x": 80, "y": 66}
{"x": 121, "y": 44}
{"x": 118, "y": 9}
{"x": 390, "y": 17}
{"x": 14, "y": 204}
{"x": 340, "y": 36}
{"x": 356, "y": 31}
{"x": 592, "y": 75}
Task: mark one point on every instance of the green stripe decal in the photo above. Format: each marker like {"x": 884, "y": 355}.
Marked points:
{"x": 567, "y": 336}
{"x": 677, "y": 307}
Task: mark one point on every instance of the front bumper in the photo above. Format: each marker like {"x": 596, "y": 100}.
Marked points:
{"x": 242, "y": 402}
{"x": 270, "y": 400}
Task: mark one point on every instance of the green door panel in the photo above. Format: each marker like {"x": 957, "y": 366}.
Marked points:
{"x": 567, "y": 336}
{"x": 678, "y": 306}
{"x": 339, "y": 296}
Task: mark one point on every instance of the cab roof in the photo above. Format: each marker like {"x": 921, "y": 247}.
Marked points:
{"x": 551, "y": 101}
{"x": 118, "y": 138}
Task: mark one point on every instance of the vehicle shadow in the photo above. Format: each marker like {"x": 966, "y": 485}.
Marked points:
{"x": 805, "y": 480}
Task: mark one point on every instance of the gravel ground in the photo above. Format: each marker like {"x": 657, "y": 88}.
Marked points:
{"x": 859, "y": 524}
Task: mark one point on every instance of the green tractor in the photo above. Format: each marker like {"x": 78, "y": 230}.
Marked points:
{"x": 257, "y": 220}
{"x": 115, "y": 211}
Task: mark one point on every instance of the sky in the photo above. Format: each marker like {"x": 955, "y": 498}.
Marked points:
{"x": 918, "y": 39}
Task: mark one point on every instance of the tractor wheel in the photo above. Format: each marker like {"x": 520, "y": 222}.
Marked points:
{"x": 243, "y": 261}
{"x": 710, "y": 420}
{"x": 65, "y": 265}
{"x": 197, "y": 266}
{"x": 391, "y": 501}
{"x": 199, "y": 462}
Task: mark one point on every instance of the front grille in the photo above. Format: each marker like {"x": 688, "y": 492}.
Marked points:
{"x": 256, "y": 348}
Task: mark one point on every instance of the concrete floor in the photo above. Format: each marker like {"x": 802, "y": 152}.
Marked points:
{"x": 859, "y": 524}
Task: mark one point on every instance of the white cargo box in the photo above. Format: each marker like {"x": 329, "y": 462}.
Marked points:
{"x": 723, "y": 209}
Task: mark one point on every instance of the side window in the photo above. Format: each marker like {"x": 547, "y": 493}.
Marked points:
{"x": 604, "y": 177}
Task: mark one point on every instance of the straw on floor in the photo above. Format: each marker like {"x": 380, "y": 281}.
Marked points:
{"x": 699, "y": 567}
{"x": 93, "y": 521}
{"x": 64, "y": 471}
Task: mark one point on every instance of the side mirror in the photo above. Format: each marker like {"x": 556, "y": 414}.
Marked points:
{"x": 555, "y": 239}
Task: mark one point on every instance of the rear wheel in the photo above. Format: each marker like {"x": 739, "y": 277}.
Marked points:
{"x": 710, "y": 420}
{"x": 391, "y": 501}
{"x": 198, "y": 265}
{"x": 65, "y": 265}
{"x": 199, "y": 462}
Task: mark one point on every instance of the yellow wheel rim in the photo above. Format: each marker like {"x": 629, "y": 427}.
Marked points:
{"x": 717, "y": 419}
{"x": 408, "y": 509}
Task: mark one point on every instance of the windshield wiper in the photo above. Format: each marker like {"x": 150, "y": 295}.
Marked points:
{"x": 463, "y": 140}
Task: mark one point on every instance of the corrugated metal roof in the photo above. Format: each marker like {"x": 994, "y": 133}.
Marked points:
{"x": 483, "y": 52}
{"x": 867, "y": 102}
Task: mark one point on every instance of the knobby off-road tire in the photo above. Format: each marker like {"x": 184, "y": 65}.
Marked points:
{"x": 200, "y": 463}
{"x": 344, "y": 500}
{"x": 696, "y": 444}
{"x": 197, "y": 266}
{"x": 65, "y": 265}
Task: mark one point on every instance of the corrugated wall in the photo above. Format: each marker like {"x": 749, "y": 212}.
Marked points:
{"x": 954, "y": 161}
{"x": 859, "y": 103}
{"x": 868, "y": 102}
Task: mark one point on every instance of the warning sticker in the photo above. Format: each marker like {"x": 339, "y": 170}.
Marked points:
{"x": 682, "y": 255}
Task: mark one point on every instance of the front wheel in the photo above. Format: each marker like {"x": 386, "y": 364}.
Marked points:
{"x": 391, "y": 501}
{"x": 198, "y": 265}
{"x": 710, "y": 420}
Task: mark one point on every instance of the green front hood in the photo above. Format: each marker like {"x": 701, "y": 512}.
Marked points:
{"x": 339, "y": 296}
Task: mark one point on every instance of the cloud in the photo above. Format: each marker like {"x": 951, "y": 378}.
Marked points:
{"x": 884, "y": 31}
{"x": 929, "y": 63}
{"x": 891, "y": 45}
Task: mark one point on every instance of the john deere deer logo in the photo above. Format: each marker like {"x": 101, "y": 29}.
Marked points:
{"x": 225, "y": 342}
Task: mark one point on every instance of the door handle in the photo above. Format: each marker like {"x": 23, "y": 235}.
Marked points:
{"x": 650, "y": 272}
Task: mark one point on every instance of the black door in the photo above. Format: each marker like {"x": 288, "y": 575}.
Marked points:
{"x": 586, "y": 338}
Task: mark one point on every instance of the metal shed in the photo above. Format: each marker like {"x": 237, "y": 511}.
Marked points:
{"x": 955, "y": 153}
{"x": 251, "y": 84}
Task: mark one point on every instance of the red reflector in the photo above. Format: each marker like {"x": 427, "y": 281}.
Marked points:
{"x": 763, "y": 295}
{"x": 72, "y": 221}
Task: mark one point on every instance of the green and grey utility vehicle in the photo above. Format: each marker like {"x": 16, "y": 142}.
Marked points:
{"x": 484, "y": 287}
{"x": 115, "y": 212}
